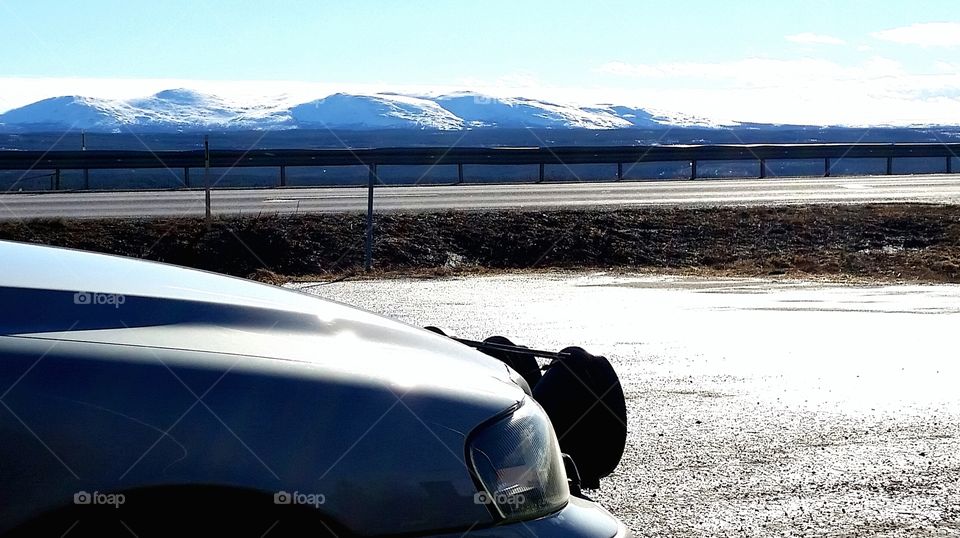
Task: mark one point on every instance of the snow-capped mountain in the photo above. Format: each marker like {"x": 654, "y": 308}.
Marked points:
{"x": 185, "y": 110}
{"x": 482, "y": 111}
{"x": 72, "y": 111}
{"x": 168, "y": 110}
{"x": 389, "y": 111}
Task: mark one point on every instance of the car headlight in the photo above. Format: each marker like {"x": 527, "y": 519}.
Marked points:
{"x": 517, "y": 460}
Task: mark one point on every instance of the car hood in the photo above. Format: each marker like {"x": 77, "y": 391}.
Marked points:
{"x": 70, "y": 295}
{"x": 146, "y": 375}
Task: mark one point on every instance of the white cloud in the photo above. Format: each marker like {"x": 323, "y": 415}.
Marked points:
{"x": 759, "y": 72}
{"x": 933, "y": 34}
{"x": 810, "y": 90}
{"x": 808, "y": 38}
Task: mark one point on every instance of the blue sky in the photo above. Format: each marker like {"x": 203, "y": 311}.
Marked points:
{"x": 695, "y": 55}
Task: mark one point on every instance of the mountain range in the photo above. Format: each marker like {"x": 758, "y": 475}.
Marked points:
{"x": 180, "y": 110}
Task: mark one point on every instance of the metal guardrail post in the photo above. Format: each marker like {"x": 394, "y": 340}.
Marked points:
{"x": 693, "y": 169}
{"x": 889, "y": 166}
{"x": 949, "y": 164}
{"x": 86, "y": 171}
{"x": 826, "y": 167}
{"x": 459, "y": 172}
{"x": 206, "y": 176}
{"x": 368, "y": 247}
{"x": 619, "y": 171}
{"x": 283, "y": 176}
{"x": 186, "y": 177}
{"x": 542, "y": 173}
{"x": 56, "y": 179}
{"x": 763, "y": 168}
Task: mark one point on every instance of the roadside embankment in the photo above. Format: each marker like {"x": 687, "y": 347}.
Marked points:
{"x": 885, "y": 241}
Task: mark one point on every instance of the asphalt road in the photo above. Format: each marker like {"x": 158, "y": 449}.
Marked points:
{"x": 928, "y": 188}
{"x": 756, "y": 407}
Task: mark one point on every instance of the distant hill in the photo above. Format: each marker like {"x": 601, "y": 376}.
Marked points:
{"x": 187, "y": 111}
{"x": 167, "y": 111}
{"x": 182, "y": 110}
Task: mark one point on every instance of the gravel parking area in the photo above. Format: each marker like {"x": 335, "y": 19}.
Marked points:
{"x": 757, "y": 407}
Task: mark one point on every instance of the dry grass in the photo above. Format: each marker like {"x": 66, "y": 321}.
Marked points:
{"x": 909, "y": 242}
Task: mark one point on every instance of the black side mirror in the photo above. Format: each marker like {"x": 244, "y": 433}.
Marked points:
{"x": 582, "y": 395}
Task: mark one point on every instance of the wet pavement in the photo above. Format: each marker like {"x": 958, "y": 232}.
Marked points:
{"x": 756, "y": 407}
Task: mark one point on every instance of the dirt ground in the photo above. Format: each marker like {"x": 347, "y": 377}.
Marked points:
{"x": 905, "y": 242}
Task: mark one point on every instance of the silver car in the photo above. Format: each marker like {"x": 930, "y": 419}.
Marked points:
{"x": 143, "y": 399}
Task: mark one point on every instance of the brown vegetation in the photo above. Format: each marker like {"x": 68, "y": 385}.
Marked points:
{"x": 896, "y": 241}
